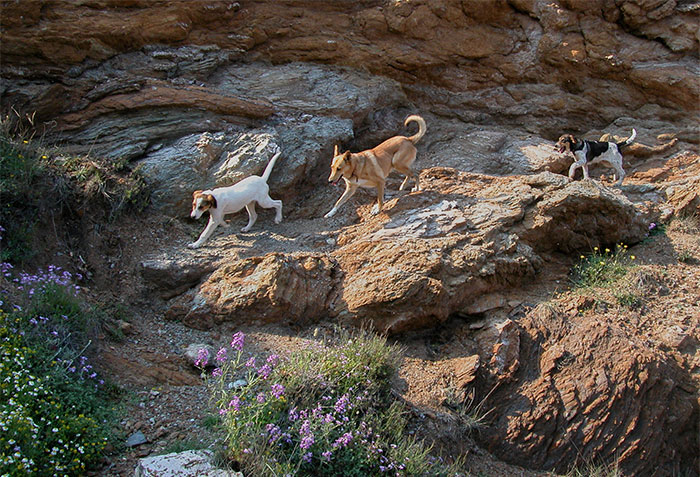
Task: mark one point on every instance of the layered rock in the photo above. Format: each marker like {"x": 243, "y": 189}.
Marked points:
{"x": 573, "y": 388}
{"x": 543, "y": 66}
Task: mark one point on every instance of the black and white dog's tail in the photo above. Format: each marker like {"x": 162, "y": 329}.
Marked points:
{"x": 628, "y": 141}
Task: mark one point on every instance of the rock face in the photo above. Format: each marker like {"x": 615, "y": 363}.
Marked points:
{"x": 149, "y": 83}
{"x": 198, "y": 94}
{"x": 575, "y": 383}
{"x": 183, "y": 464}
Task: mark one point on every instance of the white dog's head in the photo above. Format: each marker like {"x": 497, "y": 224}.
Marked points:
{"x": 201, "y": 202}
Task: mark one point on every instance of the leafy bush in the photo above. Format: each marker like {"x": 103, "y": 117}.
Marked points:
{"x": 18, "y": 171}
{"x": 325, "y": 410}
{"x": 602, "y": 267}
{"x": 33, "y": 181}
{"x": 53, "y": 417}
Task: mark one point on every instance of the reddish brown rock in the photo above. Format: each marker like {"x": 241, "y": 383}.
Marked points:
{"x": 588, "y": 386}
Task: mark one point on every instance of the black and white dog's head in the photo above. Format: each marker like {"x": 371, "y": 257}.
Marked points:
{"x": 565, "y": 143}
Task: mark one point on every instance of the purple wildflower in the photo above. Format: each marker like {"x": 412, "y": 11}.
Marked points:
{"x": 235, "y": 403}
{"x": 251, "y": 362}
{"x": 307, "y": 441}
{"x": 305, "y": 428}
{"x": 221, "y": 355}
{"x": 293, "y": 415}
{"x": 264, "y": 371}
{"x": 273, "y": 359}
{"x": 307, "y": 457}
{"x": 237, "y": 341}
{"x": 277, "y": 390}
{"x": 327, "y": 455}
{"x": 343, "y": 440}
{"x": 202, "y": 357}
{"x": 274, "y": 432}
{"x": 260, "y": 398}
{"x": 652, "y": 226}
{"x": 217, "y": 372}
{"x": 341, "y": 404}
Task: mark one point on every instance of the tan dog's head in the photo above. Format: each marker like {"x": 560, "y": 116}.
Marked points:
{"x": 564, "y": 143}
{"x": 340, "y": 165}
{"x": 201, "y": 202}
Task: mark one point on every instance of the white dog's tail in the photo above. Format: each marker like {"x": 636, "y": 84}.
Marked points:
{"x": 270, "y": 165}
{"x": 421, "y": 127}
{"x": 629, "y": 139}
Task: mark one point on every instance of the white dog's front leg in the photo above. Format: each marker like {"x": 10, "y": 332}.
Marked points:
{"x": 572, "y": 169}
{"x": 206, "y": 233}
{"x": 331, "y": 213}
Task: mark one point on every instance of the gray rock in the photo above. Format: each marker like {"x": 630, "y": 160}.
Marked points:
{"x": 136, "y": 439}
{"x": 192, "y": 463}
{"x": 191, "y": 354}
{"x": 173, "y": 276}
{"x": 215, "y": 159}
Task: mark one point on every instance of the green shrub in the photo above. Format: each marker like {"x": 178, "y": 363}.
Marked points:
{"x": 54, "y": 415}
{"x": 325, "y": 410}
{"x": 32, "y": 182}
{"x": 602, "y": 267}
{"x": 19, "y": 169}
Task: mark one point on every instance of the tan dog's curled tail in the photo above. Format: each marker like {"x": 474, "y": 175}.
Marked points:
{"x": 421, "y": 127}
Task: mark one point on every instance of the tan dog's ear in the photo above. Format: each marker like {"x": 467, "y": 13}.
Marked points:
{"x": 335, "y": 150}
{"x": 212, "y": 200}
{"x": 346, "y": 156}
{"x": 196, "y": 193}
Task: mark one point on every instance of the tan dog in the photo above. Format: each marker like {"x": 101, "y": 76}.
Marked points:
{"x": 370, "y": 168}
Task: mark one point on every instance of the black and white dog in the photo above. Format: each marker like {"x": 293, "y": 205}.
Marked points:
{"x": 591, "y": 152}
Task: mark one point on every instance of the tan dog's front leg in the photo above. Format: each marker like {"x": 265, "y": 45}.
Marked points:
{"x": 380, "y": 199}
{"x": 350, "y": 189}
{"x": 206, "y": 233}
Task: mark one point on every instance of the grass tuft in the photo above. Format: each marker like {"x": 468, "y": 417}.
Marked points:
{"x": 34, "y": 181}
{"x": 602, "y": 267}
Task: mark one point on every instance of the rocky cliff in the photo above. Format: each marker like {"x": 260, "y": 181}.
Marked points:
{"x": 200, "y": 93}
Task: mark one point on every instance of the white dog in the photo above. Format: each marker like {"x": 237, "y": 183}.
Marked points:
{"x": 227, "y": 200}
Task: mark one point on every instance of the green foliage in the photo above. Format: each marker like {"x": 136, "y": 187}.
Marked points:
{"x": 54, "y": 413}
{"x": 19, "y": 170}
{"x": 324, "y": 410}
{"x": 595, "y": 469}
{"x": 32, "y": 181}
{"x": 602, "y": 267}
